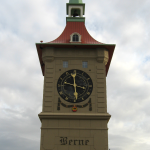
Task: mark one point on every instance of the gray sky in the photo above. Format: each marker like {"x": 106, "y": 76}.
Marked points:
{"x": 124, "y": 23}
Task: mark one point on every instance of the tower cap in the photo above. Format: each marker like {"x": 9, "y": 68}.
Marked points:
{"x": 75, "y": 1}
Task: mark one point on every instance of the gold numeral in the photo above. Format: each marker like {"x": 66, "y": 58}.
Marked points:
{"x": 88, "y": 93}
{"x": 67, "y": 73}
{"x": 90, "y": 85}
{"x": 60, "y": 92}
{"x": 88, "y": 78}
{"x": 61, "y": 78}
{"x": 82, "y": 98}
{"x": 66, "y": 98}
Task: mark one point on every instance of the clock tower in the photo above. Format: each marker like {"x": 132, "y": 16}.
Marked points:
{"x": 74, "y": 112}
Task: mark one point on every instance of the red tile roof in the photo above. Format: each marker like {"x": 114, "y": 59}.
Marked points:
{"x": 73, "y": 27}
{"x": 63, "y": 41}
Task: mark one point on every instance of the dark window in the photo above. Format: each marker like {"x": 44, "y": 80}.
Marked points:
{"x": 75, "y": 38}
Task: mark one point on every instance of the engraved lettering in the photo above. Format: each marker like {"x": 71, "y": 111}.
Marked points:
{"x": 82, "y": 142}
{"x": 70, "y": 142}
{"x": 63, "y": 140}
{"x": 86, "y": 142}
{"x": 79, "y": 142}
{"x": 75, "y": 142}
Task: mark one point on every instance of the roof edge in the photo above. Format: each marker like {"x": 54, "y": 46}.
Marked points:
{"x": 74, "y": 44}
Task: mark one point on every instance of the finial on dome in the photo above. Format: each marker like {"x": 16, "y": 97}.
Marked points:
{"x": 75, "y": 1}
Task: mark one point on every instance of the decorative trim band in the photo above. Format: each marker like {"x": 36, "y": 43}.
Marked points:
{"x": 75, "y": 116}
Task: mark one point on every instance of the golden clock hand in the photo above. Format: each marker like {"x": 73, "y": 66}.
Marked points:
{"x": 68, "y": 83}
{"x": 76, "y": 85}
{"x": 75, "y": 93}
{"x": 80, "y": 87}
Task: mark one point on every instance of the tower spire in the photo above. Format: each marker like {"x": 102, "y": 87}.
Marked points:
{"x": 75, "y": 11}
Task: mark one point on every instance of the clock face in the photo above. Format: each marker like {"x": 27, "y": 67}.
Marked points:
{"x": 74, "y": 86}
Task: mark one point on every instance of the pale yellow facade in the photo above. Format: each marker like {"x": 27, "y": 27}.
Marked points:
{"x": 81, "y": 130}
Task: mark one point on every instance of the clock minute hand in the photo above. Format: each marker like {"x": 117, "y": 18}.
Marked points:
{"x": 75, "y": 93}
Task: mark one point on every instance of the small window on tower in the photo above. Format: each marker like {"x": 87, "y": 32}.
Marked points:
{"x": 84, "y": 64}
{"x": 75, "y": 37}
{"x": 65, "y": 64}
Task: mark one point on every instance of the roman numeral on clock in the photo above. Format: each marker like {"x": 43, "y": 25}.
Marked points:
{"x": 88, "y": 93}
{"x": 60, "y": 92}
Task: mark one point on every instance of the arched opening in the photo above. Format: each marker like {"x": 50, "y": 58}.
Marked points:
{"x": 75, "y": 38}
{"x": 75, "y": 12}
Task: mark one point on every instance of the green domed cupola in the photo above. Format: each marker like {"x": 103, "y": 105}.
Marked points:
{"x": 75, "y": 11}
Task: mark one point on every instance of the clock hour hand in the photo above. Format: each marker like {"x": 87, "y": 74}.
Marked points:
{"x": 81, "y": 87}
{"x": 76, "y": 85}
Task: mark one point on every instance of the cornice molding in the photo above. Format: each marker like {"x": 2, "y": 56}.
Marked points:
{"x": 81, "y": 116}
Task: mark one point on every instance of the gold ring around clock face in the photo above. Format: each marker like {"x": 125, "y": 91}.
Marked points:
{"x": 74, "y": 86}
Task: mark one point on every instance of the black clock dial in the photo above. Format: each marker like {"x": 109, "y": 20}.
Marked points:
{"x": 74, "y": 86}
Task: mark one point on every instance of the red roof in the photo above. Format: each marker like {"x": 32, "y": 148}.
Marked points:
{"x": 73, "y": 27}
{"x": 63, "y": 41}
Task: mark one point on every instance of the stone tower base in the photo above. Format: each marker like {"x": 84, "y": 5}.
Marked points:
{"x": 74, "y": 131}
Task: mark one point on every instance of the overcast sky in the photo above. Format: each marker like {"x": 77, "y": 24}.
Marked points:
{"x": 124, "y": 23}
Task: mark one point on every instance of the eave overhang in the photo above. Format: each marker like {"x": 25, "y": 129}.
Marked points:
{"x": 40, "y": 46}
